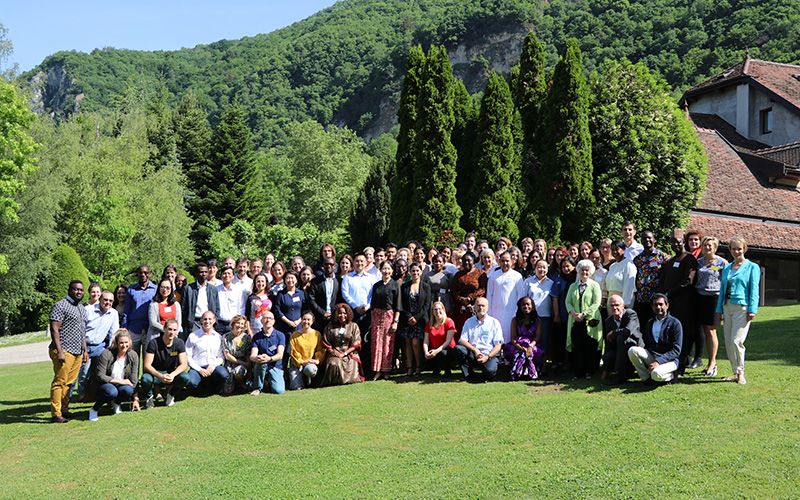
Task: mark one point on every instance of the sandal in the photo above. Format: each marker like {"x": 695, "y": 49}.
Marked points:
{"x": 711, "y": 372}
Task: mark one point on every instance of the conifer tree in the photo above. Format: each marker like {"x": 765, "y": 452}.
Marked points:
{"x": 403, "y": 185}
{"x": 465, "y": 112}
{"x": 192, "y": 138}
{"x": 495, "y": 187}
{"x": 529, "y": 90}
{"x": 563, "y": 190}
{"x": 229, "y": 182}
{"x": 436, "y": 214}
{"x": 370, "y": 221}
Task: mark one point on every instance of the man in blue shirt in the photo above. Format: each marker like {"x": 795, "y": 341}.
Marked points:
{"x": 663, "y": 338}
{"x": 137, "y": 306}
{"x": 267, "y": 357}
{"x": 102, "y": 322}
{"x": 480, "y": 343}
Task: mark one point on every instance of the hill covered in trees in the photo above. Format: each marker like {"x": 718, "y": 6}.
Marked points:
{"x": 344, "y": 65}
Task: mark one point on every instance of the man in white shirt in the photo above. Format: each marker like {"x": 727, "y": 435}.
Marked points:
{"x": 357, "y": 290}
{"x": 204, "y": 354}
{"x": 632, "y": 247}
{"x": 232, "y": 300}
{"x": 242, "y": 279}
{"x": 504, "y": 289}
{"x": 480, "y": 343}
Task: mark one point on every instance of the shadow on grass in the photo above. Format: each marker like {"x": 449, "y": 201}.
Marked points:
{"x": 29, "y": 411}
{"x": 771, "y": 340}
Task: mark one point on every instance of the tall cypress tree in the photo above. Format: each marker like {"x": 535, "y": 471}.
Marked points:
{"x": 192, "y": 138}
{"x": 370, "y": 220}
{"x": 229, "y": 182}
{"x": 436, "y": 213}
{"x": 495, "y": 188}
{"x": 529, "y": 91}
{"x": 563, "y": 186}
{"x": 403, "y": 185}
{"x": 465, "y": 112}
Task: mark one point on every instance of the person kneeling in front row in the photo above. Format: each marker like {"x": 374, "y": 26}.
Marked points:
{"x": 267, "y": 357}
{"x": 204, "y": 354}
{"x": 165, "y": 365}
{"x": 480, "y": 343}
{"x": 117, "y": 374}
{"x": 306, "y": 353}
{"x": 663, "y": 338}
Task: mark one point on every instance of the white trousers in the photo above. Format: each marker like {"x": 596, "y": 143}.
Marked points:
{"x": 641, "y": 359}
{"x": 734, "y": 317}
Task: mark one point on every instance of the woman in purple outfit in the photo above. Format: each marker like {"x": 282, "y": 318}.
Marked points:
{"x": 523, "y": 352}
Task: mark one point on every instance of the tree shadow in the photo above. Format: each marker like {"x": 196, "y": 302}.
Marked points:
{"x": 772, "y": 340}
{"x": 32, "y": 411}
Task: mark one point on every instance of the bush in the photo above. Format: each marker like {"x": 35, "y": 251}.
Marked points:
{"x": 67, "y": 266}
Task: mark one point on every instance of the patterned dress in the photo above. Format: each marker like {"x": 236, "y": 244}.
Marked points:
{"x": 466, "y": 284}
{"x": 414, "y": 331}
{"x": 241, "y": 351}
{"x": 346, "y": 370}
{"x": 523, "y": 367}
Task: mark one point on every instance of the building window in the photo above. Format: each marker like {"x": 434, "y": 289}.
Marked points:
{"x": 766, "y": 121}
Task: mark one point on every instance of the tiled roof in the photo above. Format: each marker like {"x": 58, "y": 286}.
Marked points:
{"x": 732, "y": 188}
{"x": 757, "y": 234}
{"x": 788, "y": 153}
{"x": 727, "y": 131}
{"x": 781, "y": 79}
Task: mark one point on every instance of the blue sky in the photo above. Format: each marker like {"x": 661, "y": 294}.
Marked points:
{"x": 46, "y": 27}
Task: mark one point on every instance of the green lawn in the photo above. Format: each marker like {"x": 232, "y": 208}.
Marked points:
{"x": 424, "y": 439}
{"x": 23, "y": 338}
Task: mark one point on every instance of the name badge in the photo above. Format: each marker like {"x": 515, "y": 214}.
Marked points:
{"x": 653, "y": 263}
{"x": 676, "y": 264}
{"x": 173, "y": 354}
{"x": 715, "y": 268}
{"x": 240, "y": 343}
{"x": 442, "y": 291}
{"x": 168, "y": 309}
{"x": 295, "y": 299}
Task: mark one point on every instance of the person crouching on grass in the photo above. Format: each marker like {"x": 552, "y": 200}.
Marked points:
{"x": 306, "y": 353}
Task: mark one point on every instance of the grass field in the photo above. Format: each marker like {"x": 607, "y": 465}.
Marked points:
{"x": 558, "y": 439}
{"x": 23, "y": 338}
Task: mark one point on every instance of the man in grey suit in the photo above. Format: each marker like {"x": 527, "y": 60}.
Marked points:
{"x": 197, "y": 298}
{"x": 623, "y": 330}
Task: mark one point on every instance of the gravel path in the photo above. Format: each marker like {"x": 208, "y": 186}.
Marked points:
{"x": 24, "y": 354}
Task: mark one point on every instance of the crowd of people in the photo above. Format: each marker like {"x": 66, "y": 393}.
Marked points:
{"x": 258, "y": 325}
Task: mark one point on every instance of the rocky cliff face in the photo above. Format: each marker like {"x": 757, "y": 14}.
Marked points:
{"x": 472, "y": 61}
{"x": 51, "y": 90}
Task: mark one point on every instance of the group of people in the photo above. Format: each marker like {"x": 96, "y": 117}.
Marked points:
{"x": 260, "y": 326}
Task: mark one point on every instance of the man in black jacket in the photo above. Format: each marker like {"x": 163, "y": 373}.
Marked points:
{"x": 663, "y": 338}
{"x": 623, "y": 330}
{"x": 192, "y": 304}
{"x": 323, "y": 294}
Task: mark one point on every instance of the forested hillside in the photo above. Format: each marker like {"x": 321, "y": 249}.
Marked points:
{"x": 344, "y": 64}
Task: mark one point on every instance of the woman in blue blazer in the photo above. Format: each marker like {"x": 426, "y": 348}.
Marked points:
{"x": 738, "y": 304}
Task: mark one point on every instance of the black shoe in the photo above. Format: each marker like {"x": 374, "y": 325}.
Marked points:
{"x": 68, "y": 415}
{"x": 697, "y": 363}
{"x": 614, "y": 381}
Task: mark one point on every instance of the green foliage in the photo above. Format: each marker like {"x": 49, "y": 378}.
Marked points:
{"x": 649, "y": 166}
{"x": 370, "y": 221}
{"x": 328, "y": 169}
{"x": 465, "y": 114}
{"x": 403, "y": 185}
{"x": 563, "y": 186}
{"x": 6, "y": 49}
{"x": 227, "y": 188}
{"x": 496, "y": 184}
{"x": 16, "y": 152}
{"x": 192, "y": 138}
{"x": 67, "y": 266}
{"x": 436, "y": 213}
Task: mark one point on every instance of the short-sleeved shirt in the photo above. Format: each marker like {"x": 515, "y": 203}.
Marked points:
{"x": 72, "y": 316}
{"x": 483, "y": 335}
{"x": 269, "y": 345}
{"x": 438, "y": 335}
{"x": 648, "y": 271}
{"x": 165, "y": 359}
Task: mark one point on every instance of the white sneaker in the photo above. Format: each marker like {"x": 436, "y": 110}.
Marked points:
{"x": 93, "y": 415}
{"x": 149, "y": 403}
{"x": 117, "y": 409}
{"x": 169, "y": 400}
{"x": 255, "y": 392}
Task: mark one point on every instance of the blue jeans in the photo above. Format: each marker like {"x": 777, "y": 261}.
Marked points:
{"x": 262, "y": 371}
{"x": 215, "y": 381}
{"x": 148, "y": 381}
{"x": 113, "y": 392}
{"x": 297, "y": 376}
{"x": 466, "y": 358}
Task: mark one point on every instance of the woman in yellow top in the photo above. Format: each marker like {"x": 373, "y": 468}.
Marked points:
{"x": 307, "y": 352}
{"x": 584, "y": 329}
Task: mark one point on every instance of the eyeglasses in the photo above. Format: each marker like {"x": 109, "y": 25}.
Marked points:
{"x": 107, "y": 300}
